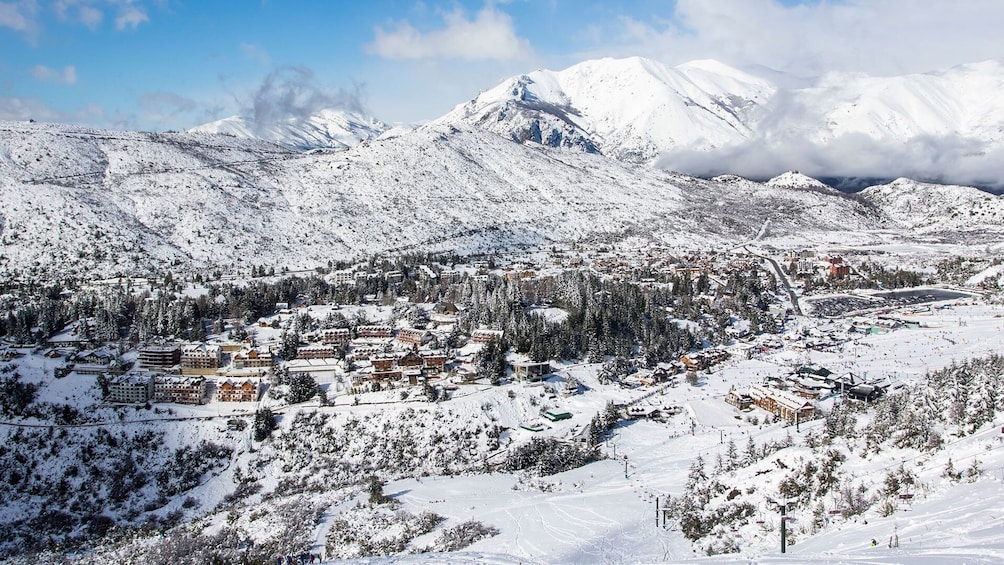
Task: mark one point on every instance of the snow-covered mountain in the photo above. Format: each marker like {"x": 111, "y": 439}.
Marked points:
{"x": 99, "y": 202}
{"x": 632, "y": 109}
{"x": 923, "y": 207}
{"x": 795, "y": 179}
{"x": 706, "y": 118}
{"x": 82, "y": 200}
{"x": 327, "y": 128}
{"x": 959, "y": 102}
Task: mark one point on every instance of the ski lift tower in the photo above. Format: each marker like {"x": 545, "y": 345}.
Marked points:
{"x": 782, "y": 507}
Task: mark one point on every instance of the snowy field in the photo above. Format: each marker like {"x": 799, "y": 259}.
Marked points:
{"x": 600, "y": 514}
{"x": 605, "y": 512}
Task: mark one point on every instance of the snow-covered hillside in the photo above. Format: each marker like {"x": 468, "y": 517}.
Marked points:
{"x": 926, "y": 207}
{"x": 99, "y": 202}
{"x": 326, "y": 128}
{"x": 957, "y": 102}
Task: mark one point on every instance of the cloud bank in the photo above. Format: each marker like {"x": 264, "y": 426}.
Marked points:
{"x": 940, "y": 159}
{"x": 490, "y": 35}
{"x": 883, "y": 38}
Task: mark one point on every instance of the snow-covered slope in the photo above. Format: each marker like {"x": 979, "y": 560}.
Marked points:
{"x": 103, "y": 202}
{"x": 938, "y": 208}
{"x": 960, "y": 102}
{"x": 324, "y": 129}
{"x": 632, "y": 109}
{"x": 795, "y": 179}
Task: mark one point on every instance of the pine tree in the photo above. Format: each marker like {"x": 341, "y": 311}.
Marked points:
{"x": 751, "y": 454}
{"x": 950, "y": 473}
{"x": 302, "y": 387}
{"x": 264, "y": 423}
{"x": 731, "y": 455}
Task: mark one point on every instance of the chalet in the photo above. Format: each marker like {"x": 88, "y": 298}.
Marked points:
{"x": 384, "y": 367}
{"x": 840, "y": 271}
{"x": 316, "y": 352}
{"x": 450, "y": 276}
{"x": 131, "y": 389}
{"x": 703, "y": 359}
{"x": 374, "y": 331}
{"x": 335, "y": 336}
{"x": 231, "y": 391}
{"x": 486, "y": 336}
{"x": 253, "y": 359}
{"x": 763, "y": 397}
{"x": 415, "y": 337}
{"x": 383, "y": 363}
{"x": 740, "y": 400}
{"x": 411, "y": 360}
{"x": 95, "y": 357}
{"x": 179, "y": 390}
{"x": 394, "y": 276}
{"x": 808, "y": 387}
{"x": 393, "y": 374}
{"x": 782, "y": 403}
{"x": 692, "y": 362}
{"x": 434, "y": 362}
{"x": 342, "y": 278}
{"x": 200, "y": 358}
{"x": 446, "y": 308}
{"x": 520, "y": 275}
{"x": 97, "y": 363}
{"x": 364, "y": 352}
{"x": 794, "y": 408}
{"x": 666, "y": 374}
{"x": 530, "y": 371}
{"x": 159, "y": 356}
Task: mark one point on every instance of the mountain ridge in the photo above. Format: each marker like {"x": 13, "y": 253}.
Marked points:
{"x": 100, "y": 203}
{"x": 706, "y": 118}
{"x": 324, "y": 129}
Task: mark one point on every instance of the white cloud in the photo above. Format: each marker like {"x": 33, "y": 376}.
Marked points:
{"x": 888, "y": 37}
{"x": 489, "y": 36}
{"x": 80, "y": 11}
{"x": 45, "y": 74}
{"x": 130, "y": 16}
{"x": 90, "y": 16}
{"x": 13, "y": 15}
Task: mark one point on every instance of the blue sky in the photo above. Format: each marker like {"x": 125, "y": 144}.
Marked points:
{"x": 172, "y": 64}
